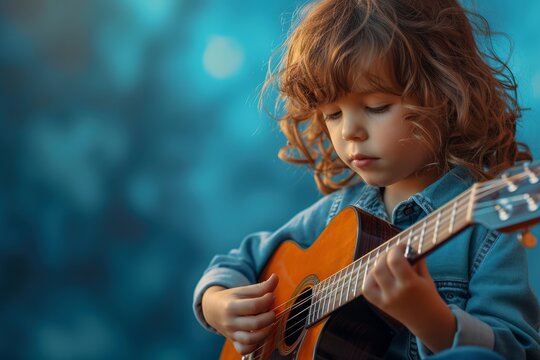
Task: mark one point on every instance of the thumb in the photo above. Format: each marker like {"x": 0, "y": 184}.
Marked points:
{"x": 422, "y": 269}
{"x": 259, "y": 289}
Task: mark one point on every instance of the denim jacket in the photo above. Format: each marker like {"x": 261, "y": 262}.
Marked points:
{"x": 481, "y": 274}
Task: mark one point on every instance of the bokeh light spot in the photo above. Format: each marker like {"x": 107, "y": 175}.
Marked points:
{"x": 223, "y": 57}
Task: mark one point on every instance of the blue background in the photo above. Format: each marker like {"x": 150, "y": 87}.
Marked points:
{"x": 133, "y": 150}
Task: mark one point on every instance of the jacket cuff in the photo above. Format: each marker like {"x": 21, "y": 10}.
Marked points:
{"x": 469, "y": 331}
{"x": 216, "y": 276}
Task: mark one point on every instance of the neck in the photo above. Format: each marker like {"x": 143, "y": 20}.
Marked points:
{"x": 404, "y": 189}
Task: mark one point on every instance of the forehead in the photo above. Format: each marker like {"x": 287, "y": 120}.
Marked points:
{"x": 372, "y": 78}
{"x": 365, "y": 84}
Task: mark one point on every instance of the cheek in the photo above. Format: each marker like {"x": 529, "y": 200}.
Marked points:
{"x": 338, "y": 143}
{"x": 392, "y": 140}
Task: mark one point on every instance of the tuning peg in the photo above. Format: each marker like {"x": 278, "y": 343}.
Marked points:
{"x": 531, "y": 204}
{"x": 504, "y": 208}
{"x": 527, "y": 239}
{"x": 533, "y": 179}
{"x": 509, "y": 183}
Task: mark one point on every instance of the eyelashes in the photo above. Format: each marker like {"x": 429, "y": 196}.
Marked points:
{"x": 378, "y": 109}
{"x": 333, "y": 116}
{"x": 371, "y": 110}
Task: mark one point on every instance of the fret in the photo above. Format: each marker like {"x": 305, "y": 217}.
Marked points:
{"x": 365, "y": 272}
{"x": 333, "y": 293}
{"x": 320, "y": 298}
{"x": 335, "y": 288}
{"x": 317, "y": 291}
{"x": 313, "y": 305}
{"x": 422, "y": 237}
{"x": 335, "y": 283}
{"x": 346, "y": 284}
{"x": 330, "y": 292}
{"x": 409, "y": 237}
{"x": 357, "y": 276}
{"x": 472, "y": 195}
{"x": 436, "y": 227}
{"x": 452, "y": 218}
{"x": 349, "y": 279}
{"x": 342, "y": 286}
{"x": 326, "y": 300}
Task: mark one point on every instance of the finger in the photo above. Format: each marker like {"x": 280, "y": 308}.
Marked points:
{"x": 252, "y": 337}
{"x": 253, "y": 306}
{"x": 371, "y": 290}
{"x": 398, "y": 264}
{"x": 256, "y": 322}
{"x": 421, "y": 268}
{"x": 383, "y": 276}
{"x": 244, "y": 349}
{"x": 259, "y": 289}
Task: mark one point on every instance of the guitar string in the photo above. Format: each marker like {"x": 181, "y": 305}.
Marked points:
{"x": 342, "y": 286}
{"x": 341, "y": 281}
{"x": 428, "y": 230}
{"x": 486, "y": 190}
{"x": 483, "y": 192}
{"x": 489, "y": 204}
{"x": 349, "y": 270}
{"x": 414, "y": 230}
{"x": 326, "y": 295}
{"x": 331, "y": 290}
{"x": 411, "y": 229}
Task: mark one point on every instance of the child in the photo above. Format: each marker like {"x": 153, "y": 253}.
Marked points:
{"x": 397, "y": 110}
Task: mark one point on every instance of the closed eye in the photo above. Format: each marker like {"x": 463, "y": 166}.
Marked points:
{"x": 378, "y": 109}
{"x": 332, "y": 116}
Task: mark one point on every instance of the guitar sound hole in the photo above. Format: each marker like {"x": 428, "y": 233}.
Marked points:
{"x": 297, "y": 318}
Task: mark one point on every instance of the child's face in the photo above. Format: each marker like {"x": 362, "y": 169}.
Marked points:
{"x": 369, "y": 134}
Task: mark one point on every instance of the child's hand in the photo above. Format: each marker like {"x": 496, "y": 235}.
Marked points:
{"x": 243, "y": 314}
{"x": 408, "y": 294}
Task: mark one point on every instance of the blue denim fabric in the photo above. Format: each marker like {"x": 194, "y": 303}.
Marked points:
{"x": 466, "y": 353}
{"x": 481, "y": 274}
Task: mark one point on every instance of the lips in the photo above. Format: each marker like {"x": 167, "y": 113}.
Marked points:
{"x": 362, "y": 161}
{"x": 362, "y": 157}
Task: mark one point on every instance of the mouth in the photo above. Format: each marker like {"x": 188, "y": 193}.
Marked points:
{"x": 362, "y": 160}
{"x": 360, "y": 157}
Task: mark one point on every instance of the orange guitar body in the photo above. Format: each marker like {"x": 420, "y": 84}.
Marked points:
{"x": 299, "y": 269}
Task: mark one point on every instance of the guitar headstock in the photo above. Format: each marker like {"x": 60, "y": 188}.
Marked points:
{"x": 511, "y": 202}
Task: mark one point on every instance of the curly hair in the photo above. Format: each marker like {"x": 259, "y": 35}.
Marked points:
{"x": 466, "y": 109}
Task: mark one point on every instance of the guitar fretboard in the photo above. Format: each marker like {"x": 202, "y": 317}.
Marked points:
{"x": 427, "y": 234}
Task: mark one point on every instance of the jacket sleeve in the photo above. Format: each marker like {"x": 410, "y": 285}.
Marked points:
{"x": 502, "y": 312}
{"x": 242, "y": 265}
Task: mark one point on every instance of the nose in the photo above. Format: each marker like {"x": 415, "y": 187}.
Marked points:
{"x": 353, "y": 127}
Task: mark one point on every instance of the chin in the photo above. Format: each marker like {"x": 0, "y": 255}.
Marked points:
{"x": 370, "y": 180}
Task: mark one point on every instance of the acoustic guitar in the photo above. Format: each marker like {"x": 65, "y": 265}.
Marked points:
{"x": 321, "y": 312}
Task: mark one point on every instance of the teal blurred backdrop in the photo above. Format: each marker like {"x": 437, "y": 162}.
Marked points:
{"x": 132, "y": 150}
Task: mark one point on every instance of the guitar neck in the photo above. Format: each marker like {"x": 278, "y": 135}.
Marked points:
{"x": 421, "y": 238}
